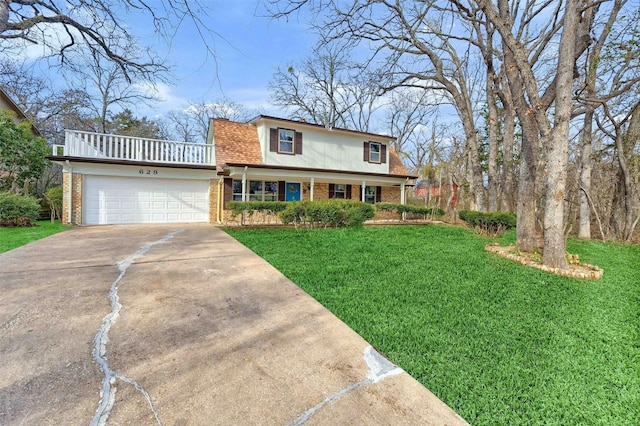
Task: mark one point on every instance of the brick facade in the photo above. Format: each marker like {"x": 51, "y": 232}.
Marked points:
{"x": 390, "y": 194}
{"x": 213, "y": 200}
{"x": 72, "y": 183}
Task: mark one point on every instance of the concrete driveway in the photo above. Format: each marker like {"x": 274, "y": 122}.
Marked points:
{"x": 182, "y": 325}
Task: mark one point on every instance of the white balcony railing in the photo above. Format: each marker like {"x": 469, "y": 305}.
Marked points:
{"x": 118, "y": 147}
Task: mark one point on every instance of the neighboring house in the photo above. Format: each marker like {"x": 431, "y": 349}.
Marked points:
{"x": 7, "y": 103}
{"x": 112, "y": 179}
{"x": 437, "y": 192}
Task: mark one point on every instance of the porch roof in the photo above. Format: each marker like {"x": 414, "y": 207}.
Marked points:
{"x": 308, "y": 171}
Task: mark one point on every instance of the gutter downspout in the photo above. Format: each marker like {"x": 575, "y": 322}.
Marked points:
{"x": 70, "y": 194}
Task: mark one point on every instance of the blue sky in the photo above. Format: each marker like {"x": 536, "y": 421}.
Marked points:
{"x": 249, "y": 47}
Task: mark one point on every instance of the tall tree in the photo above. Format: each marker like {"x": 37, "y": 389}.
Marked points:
{"x": 61, "y": 26}
{"x": 191, "y": 124}
{"x": 327, "y": 88}
{"x": 575, "y": 27}
{"x": 107, "y": 86}
{"x": 588, "y": 95}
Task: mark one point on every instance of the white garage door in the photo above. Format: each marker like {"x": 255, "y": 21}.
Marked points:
{"x": 111, "y": 200}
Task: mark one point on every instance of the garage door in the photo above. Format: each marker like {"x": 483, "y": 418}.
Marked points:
{"x": 112, "y": 200}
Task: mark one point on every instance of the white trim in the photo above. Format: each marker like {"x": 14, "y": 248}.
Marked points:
{"x": 318, "y": 176}
{"x": 102, "y": 169}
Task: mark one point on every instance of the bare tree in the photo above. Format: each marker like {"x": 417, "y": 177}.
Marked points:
{"x": 327, "y": 88}
{"x": 61, "y": 26}
{"x": 191, "y": 124}
{"x": 574, "y": 39}
{"x": 408, "y": 115}
{"x": 107, "y": 86}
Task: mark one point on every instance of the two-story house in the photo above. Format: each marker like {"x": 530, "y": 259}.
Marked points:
{"x": 111, "y": 179}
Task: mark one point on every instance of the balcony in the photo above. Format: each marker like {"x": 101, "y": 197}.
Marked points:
{"x": 132, "y": 148}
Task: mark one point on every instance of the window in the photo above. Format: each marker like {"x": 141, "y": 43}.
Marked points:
{"x": 339, "y": 191}
{"x": 374, "y": 152}
{"x": 237, "y": 190}
{"x": 257, "y": 190}
{"x": 286, "y": 141}
{"x": 370, "y": 194}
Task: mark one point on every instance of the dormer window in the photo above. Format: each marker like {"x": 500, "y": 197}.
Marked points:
{"x": 285, "y": 141}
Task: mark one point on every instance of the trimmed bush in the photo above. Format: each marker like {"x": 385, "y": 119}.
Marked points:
{"x": 18, "y": 210}
{"x": 410, "y": 208}
{"x": 493, "y": 224}
{"x": 330, "y": 213}
{"x": 250, "y": 207}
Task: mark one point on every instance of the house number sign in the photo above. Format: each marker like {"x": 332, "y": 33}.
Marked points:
{"x": 147, "y": 172}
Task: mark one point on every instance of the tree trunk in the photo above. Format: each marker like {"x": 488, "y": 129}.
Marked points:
{"x": 557, "y": 145}
{"x": 492, "y": 166}
{"x": 508, "y": 140}
{"x": 584, "y": 230}
{"x": 526, "y": 200}
{"x": 526, "y": 204}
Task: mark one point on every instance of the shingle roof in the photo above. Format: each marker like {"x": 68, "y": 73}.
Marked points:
{"x": 395, "y": 164}
{"x": 235, "y": 143}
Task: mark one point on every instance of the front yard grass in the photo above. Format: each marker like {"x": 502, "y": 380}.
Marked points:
{"x": 11, "y": 238}
{"x": 500, "y": 343}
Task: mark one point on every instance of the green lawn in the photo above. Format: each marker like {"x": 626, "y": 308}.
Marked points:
{"x": 500, "y": 343}
{"x": 11, "y": 238}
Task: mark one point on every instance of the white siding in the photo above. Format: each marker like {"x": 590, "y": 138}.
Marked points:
{"x": 323, "y": 149}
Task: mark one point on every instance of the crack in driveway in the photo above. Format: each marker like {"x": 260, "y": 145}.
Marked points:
{"x": 108, "y": 392}
{"x": 379, "y": 369}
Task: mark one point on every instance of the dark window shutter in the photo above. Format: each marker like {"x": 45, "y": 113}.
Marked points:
{"x": 383, "y": 153}
{"x": 360, "y": 196}
{"x": 348, "y": 193}
{"x": 273, "y": 140}
{"x": 332, "y": 190}
{"x": 366, "y": 151}
{"x": 281, "y": 190}
{"x": 228, "y": 190}
{"x": 378, "y": 194}
{"x": 298, "y": 140}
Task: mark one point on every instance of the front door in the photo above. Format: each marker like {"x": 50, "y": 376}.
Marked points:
{"x": 292, "y": 192}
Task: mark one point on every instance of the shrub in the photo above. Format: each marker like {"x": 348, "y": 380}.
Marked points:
{"x": 239, "y": 207}
{"x": 493, "y": 224}
{"x": 411, "y": 208}
{"x": 54, "y": 199}
{"x": 18, "y": 210}
{"x": 331, "y": 213}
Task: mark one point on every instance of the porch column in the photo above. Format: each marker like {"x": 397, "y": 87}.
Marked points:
{"x": 244, "y": 184}
{"x": 311, "y": 184}
{"x": 402, "y": 199}
{"x": 364, "y": 184}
